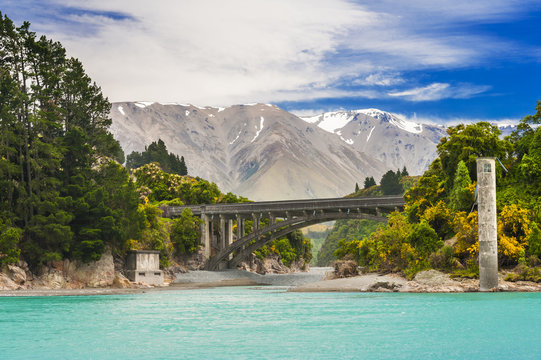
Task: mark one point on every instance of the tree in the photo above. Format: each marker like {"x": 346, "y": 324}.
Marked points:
{"x": 186, "y": 233}
{"x": 157, "y": 152}
{"x": 404, "y": 171}
{"x": 467, "y": 143}
{"x": 356, "y": 187}
{"x": 390, "y": 183}
{"x": 461, "y": 197}
{"x": 369, "y": 182}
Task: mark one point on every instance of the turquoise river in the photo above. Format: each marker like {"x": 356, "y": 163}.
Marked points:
{"x": 271, "y": 323}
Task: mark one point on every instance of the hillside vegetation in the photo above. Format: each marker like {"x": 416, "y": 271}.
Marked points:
{"x": 438, "y": 228}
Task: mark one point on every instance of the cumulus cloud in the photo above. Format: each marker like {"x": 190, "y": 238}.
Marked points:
{"x": 216, "y": 52}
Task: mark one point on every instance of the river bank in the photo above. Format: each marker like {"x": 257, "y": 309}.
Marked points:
{"x": 314, "y": 280}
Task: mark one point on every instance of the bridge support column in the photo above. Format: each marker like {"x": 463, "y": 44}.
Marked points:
{"x": 255, "y": 218}
{"x": 205, "y": 235}
{"x": 229, "y": 235}
{"x": 240, "y": 227}
{"x": 487, "y": 223}
{"x": 222, "y": 241}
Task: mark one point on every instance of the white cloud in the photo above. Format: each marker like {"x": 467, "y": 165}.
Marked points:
{"x": 438, "y": 91}
{"x": 219, "y": 52}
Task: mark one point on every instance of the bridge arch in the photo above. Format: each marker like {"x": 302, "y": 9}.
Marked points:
{"x": 265, "y": 236}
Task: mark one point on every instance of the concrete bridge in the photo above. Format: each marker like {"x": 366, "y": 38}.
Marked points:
{"x": 225, "y": 248}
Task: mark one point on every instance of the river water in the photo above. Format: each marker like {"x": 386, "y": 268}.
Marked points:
{"x": 270, "y": 323}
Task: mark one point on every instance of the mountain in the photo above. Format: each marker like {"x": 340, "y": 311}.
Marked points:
{"x": 388, "y": 137}
{"x": 258, "y": 150}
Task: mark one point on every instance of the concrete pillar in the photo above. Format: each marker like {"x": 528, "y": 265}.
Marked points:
{"x": 240, "y": 227}
{"x": 487, "y": 222}
{"x": 221, "y": 240}
{"x": 272, "y": 219}
{"x": 205, "y": 235}
{"x": 255, "y": 218}
{"x": 229, "y": 235}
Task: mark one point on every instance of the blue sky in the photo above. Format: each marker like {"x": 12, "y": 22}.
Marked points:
{"x": 441, "y": 61}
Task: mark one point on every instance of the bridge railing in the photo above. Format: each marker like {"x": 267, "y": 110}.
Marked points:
{"x": 290, "y": 205}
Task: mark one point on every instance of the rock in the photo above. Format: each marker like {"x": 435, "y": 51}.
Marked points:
{"x": 433, "y": 278}
{"x": 7, "y": 284}
{"x": 345, "y": 268}
{"x": 17, "y": 274}
{"x": 384, "y": 286}
{"x": 100, "y": 273}
{"x": 52, "y": 279}
{"x": 120, "y": 281}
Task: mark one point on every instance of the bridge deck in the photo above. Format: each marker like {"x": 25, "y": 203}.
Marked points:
{"x": 291, "y": 207}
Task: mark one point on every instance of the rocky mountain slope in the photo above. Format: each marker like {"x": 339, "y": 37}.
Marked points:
{"x": 387, "y": 137}
{"x": 259, "y": 151}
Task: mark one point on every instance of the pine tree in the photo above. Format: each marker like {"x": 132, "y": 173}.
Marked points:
{"x": 461, "y": 198}
{"x": 404, "y": 171}
{"x": 369, "y": 182}
{"x": 390, "y": 183}
{"x": 356, "y": 187}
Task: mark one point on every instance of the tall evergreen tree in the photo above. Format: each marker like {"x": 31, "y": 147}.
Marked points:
{"x": 461, "y": 198}
{"x": 369, "y": 182}
{"x": 390, "y": 183}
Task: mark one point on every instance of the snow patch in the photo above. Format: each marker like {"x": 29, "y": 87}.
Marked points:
{"x": 220, "y": 109}
{"x": 311, "y": 119}
{"x": 347, "y": 141}
{"x": 121, "y": 110}
{"x": 235, "y": 139}
{"x": 394, "y": 119}
{"x": 143, "y": 104}
{"x": 333, "y": 121}
{"x": 251, "y": 104}
{"x": 260, "y": 129}
{"x": 187, "y": 113}
{"x": 371, "y": 130}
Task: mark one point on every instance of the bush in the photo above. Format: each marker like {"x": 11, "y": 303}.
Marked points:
{"x": 185, "y": 233}
{"x": 9, "y": 243}
{"x": 444, "y": 259}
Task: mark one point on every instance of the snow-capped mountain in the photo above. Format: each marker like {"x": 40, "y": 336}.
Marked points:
{"x": 258, "y": 150}
{"x": 388, "y": 137}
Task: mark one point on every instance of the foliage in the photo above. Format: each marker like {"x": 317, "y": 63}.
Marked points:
{"x": 525, "y": 273}
{"x": 345, "y": 231}
{"x": 54, "y": 139}
{"x": 390, "y": 183}
{"x": 439, "y": 217}
{"x": 513, "y": 232}
{"x": 157, "y": 152}
{"x": 468, "y": 142}
{"x": 186, "y": 232}
{"x": 9, "y": 243}
{"x": 368, "y": 182}
{"x": 444, "y": 259}
{"x": 461, "y": 197}
{"x": 466, "y": 229}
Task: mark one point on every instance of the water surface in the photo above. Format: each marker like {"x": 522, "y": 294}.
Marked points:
{"x": 267, "y": 322}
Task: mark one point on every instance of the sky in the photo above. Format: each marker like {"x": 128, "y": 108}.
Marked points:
{"x": 442, "y": 61}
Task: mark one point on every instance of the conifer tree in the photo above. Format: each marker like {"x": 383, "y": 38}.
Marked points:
{"x": 461, "y": 198}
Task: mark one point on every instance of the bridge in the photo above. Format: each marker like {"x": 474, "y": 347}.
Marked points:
{"x": 269, "y": 220}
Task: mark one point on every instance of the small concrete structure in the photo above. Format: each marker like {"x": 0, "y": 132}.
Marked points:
{"x": 487, "y": 223}
{"x": 143, "y": 266}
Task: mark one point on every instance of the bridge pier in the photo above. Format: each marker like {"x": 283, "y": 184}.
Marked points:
{"x": 205, "y": 235}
